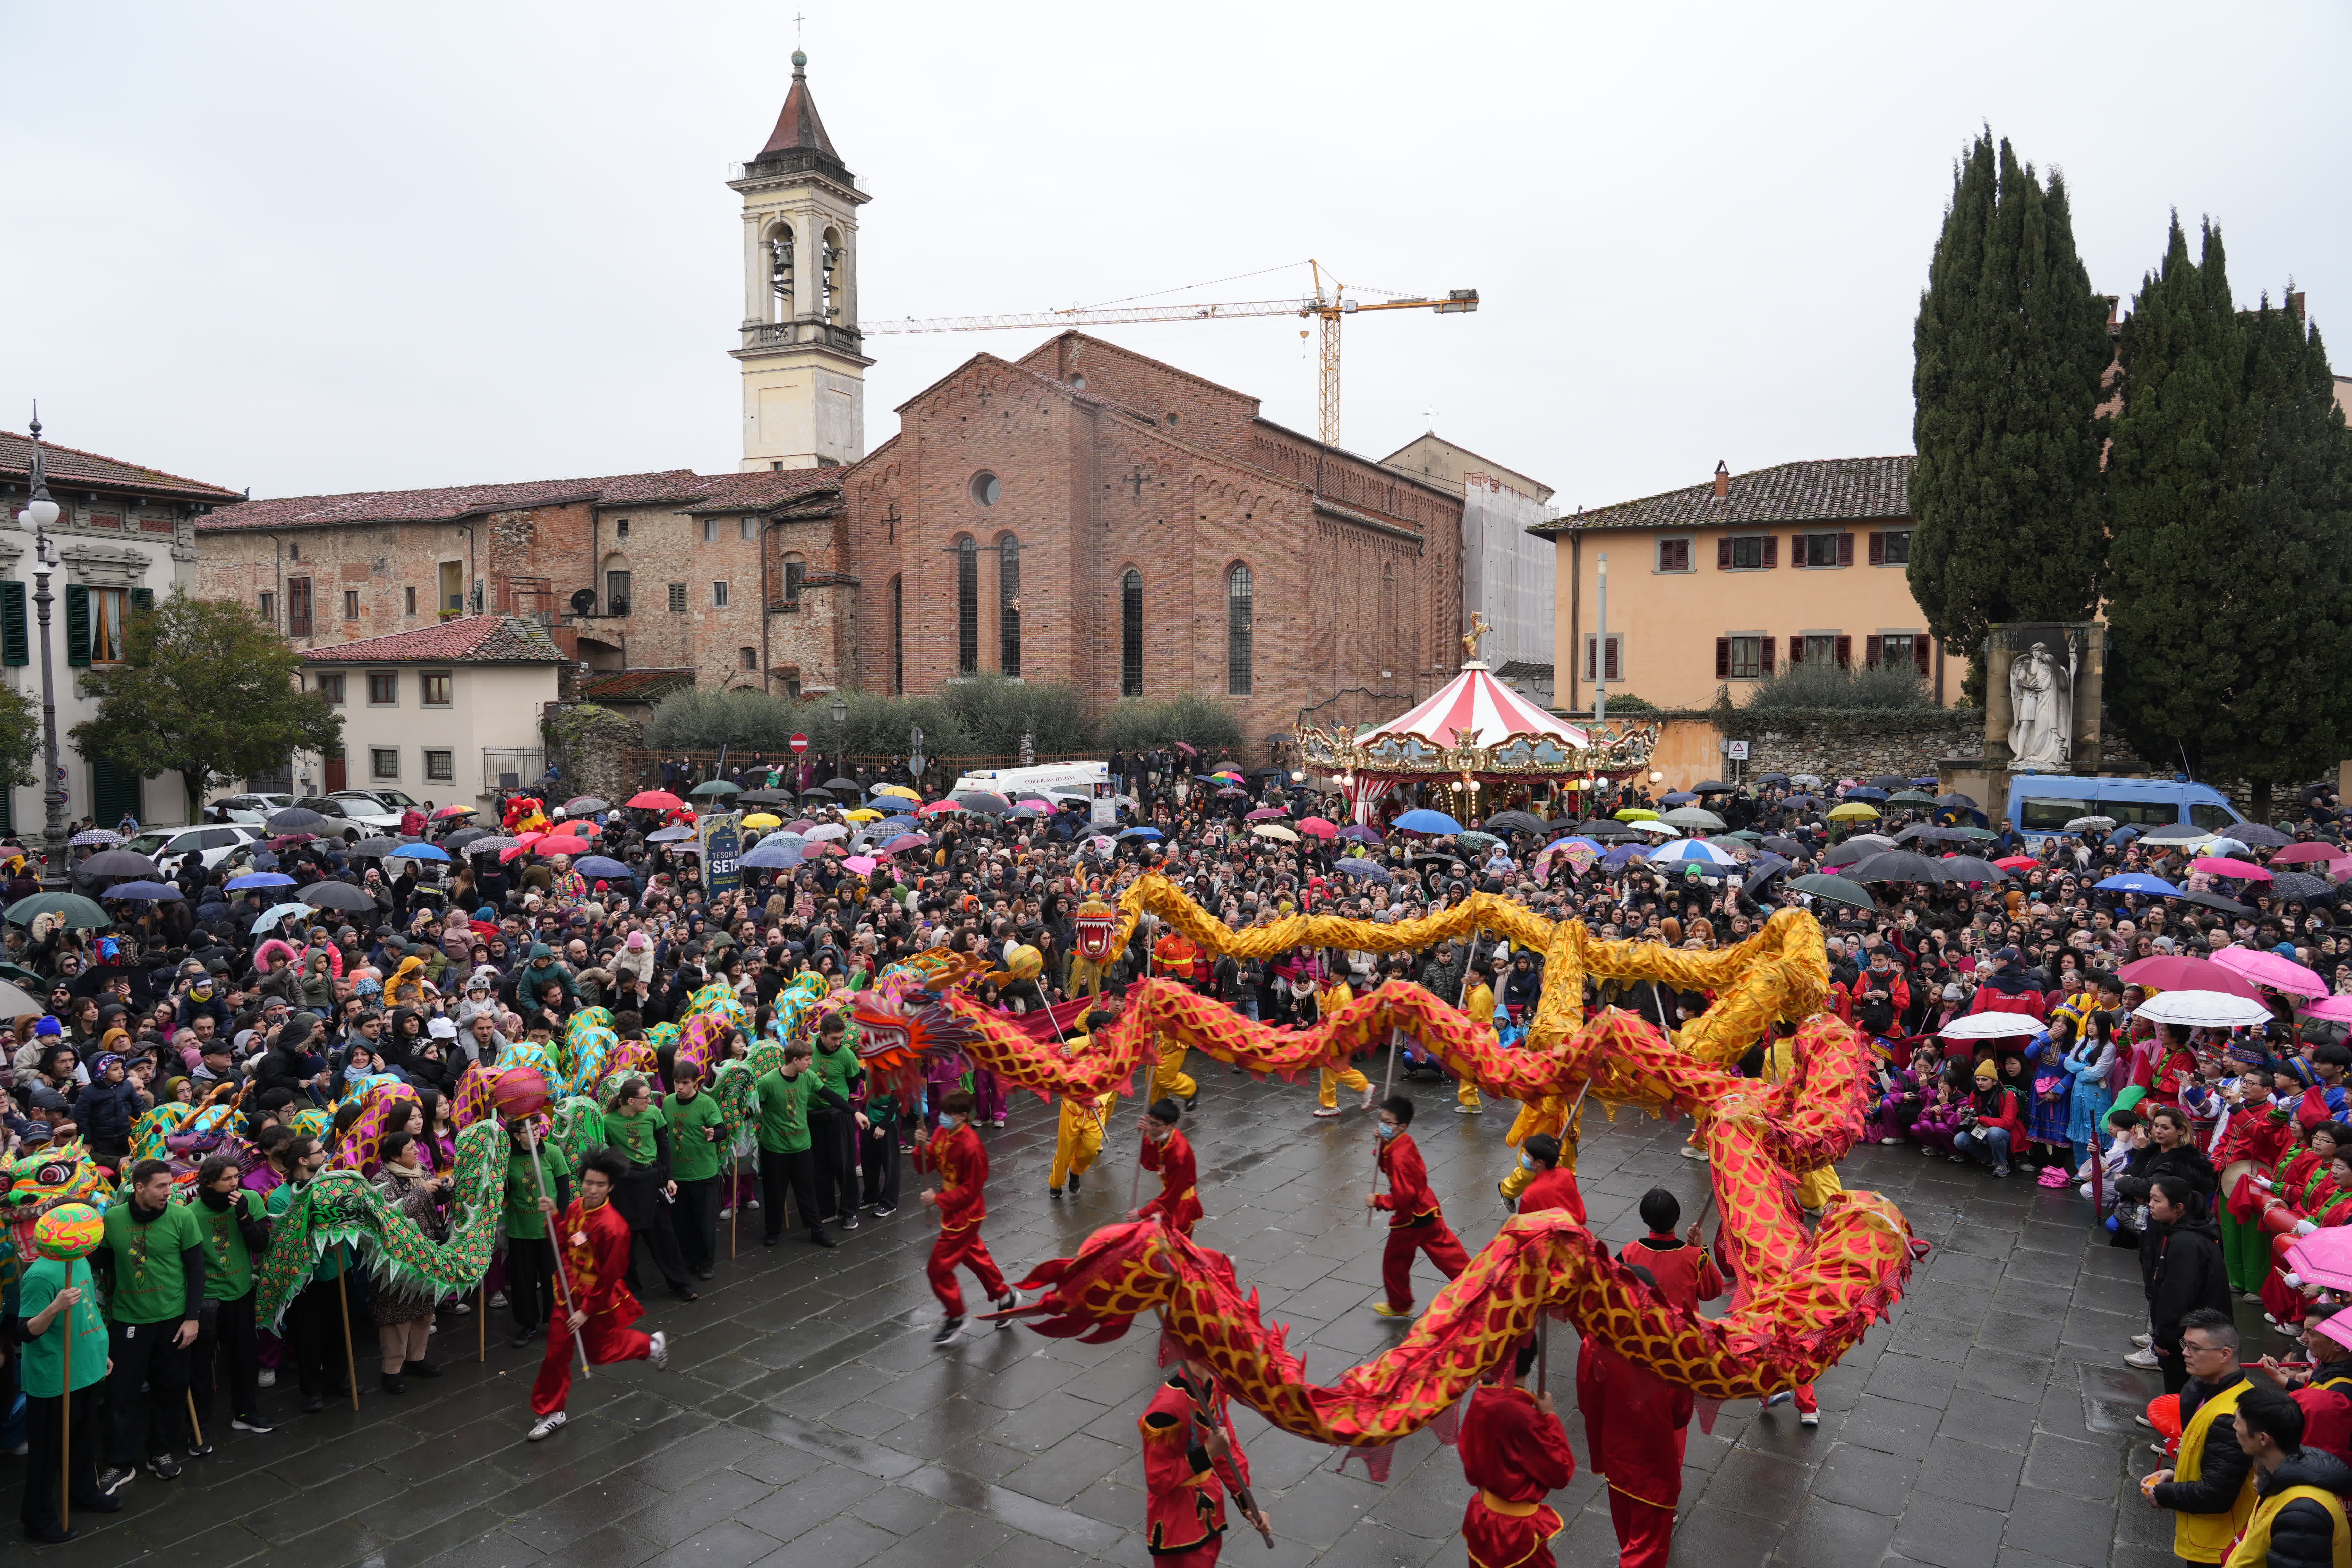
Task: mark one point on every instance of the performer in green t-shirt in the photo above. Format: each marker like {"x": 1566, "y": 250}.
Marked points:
{"x": 784, "y": 1139}
{"x": 638, "y": 1131}
{"x": 531, "y": 1257}
{"x": 57, "y": 1300}
{"x": 697, "y": 1154}
{"x": 235, "y": 1235}
{"x": 153, "y": 1266}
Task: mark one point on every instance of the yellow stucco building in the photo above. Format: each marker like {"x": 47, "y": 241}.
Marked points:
{"x": 1721, "y": 584}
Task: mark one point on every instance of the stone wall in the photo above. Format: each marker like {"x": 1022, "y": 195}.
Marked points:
{"x": 1832, "y": 745}
{"x": 594, "y": 742}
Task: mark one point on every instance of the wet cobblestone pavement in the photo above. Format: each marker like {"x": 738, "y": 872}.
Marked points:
{"x": 807, "y": 1422}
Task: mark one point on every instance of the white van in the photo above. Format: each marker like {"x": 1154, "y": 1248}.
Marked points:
{"x": 1069, "y": 778}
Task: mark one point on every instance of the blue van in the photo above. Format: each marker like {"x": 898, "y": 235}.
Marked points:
{"x": 2040, "y": 805}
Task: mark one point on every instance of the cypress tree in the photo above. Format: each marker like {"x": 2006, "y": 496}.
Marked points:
{"x": 2009, "y": 351}
{"x": 2231, "y": 625}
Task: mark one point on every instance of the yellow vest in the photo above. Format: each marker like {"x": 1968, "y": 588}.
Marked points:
{"x": 2254, "y": 1548}
{"x": 2207, "y": 1537}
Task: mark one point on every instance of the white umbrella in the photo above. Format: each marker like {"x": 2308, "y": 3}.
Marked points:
{"x": 2084, "y": 823}
{"x": 1693, "y": 850}
{"x": 1663, "y": 829}
{"x": 1274, "y": 830}
{"x": 830, "y": 830}
{"x": 2205, "y": 1009}
{"x": 1992, "y": 1025}
{"x": 1694, "y": 816}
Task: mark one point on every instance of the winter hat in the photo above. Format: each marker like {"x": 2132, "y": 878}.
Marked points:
{"x": 1987, "y": 1072}
{"x": 48, "y": 1025}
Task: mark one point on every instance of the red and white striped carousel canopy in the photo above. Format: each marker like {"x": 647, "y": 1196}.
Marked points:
{"x": 1476, "y": 701}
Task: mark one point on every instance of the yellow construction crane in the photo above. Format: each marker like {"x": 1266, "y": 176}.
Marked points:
{"x": 1330, "y": 305}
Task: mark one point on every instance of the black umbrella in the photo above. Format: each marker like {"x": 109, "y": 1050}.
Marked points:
{"x": 1607, "y": 829}
{"x": 1836, "y": 889}
{"x": 986, "y": 802}
{"x": 586, "y": 806}
{"x": 1971, "y": 869}
{"x": 765, "y": 797}
{"x": 335, "y": 895}
{"x": 1267, "y": 773}
{"x": 294, "y": 819}
{"x": 2302, "y": 885}
{"x": 1771, "y": 778}
{"x": 1430, "y": 858}
{"x": 850, "y": 786}
{"x": 1781, "y": 844}
{"x": 1278, "y": 739}
{"x": 1514, "y": 822}
{"x": 1850, "y": 853}
{"x": 376, "y": 849}
{"x": 2258, "y": 836}
{"x": 1898, "y": 865}
{"x": 1955, "y": 801}
{"x": 1711, "y": 786}
{"x": 1800, "y": 802}
{"x": 464, "y": 836}
{"x": 118, "y": 863}
{"x": 1922, "y": 832}
{"x": 1890, "y": 782}
{"x": 1767, "y": 867}
{"x": 2215, "y": 901}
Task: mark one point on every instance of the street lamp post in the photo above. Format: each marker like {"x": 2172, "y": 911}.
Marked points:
{"x": 41, "y": 511}
{"x": 840, "y": 731}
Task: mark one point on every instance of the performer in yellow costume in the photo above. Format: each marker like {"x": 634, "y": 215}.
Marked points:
{"x": 1329, "y": 1000}
{"x": 1079, "y": 1140}
{"x": 1817, "y": 1186}
{"x": 1479, "y": 1002}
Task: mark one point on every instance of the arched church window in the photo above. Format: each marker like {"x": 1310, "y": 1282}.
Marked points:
{"x": 780, "y": 269}
{"x": 1237, "y": 630}
{"x": 967, "y": 555}
{"x": 830, "y": 280}
{"x": 1008, "y": 604}
{"x": 1130, "y": 634}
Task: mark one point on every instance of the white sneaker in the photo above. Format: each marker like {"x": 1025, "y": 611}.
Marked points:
{"x": 1462, "y": 1109}
{"x": 2144, "y": 1359}
{"x": 268, "y": 1378}
{"x": 1808, "y": 1417}
{"x": 724, "y": 1214}
{"x": 500, "y": 1299}
{"x": 750, "y": 1202}
{"x": 2143, "y": 1341}
{"x": 659, "y": 1352}
{"x": 548, "y": 1426}
{"x": 1369, "y": 1095}
{"x": 1327, "y": 1111}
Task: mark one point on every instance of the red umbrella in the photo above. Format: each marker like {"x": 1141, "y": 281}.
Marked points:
{"x": 2297, "y": 854}
{"x": 288, "y": 840}
{"x": 582, "y": 829}
{"x": 654, "y": 800}
{"x": 1265, "y": 814}
{"x": 452, "y": 811}
{"x": 2184, "y": 973}
{"x": 937, "y": 807}
{"x": 2237, "y": 870}
{"x": 1318, "y": 827}
{"x": 561, "y": 845}
{"x": 2017, "y": 862}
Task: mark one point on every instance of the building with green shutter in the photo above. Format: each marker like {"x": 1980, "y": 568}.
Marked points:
{"x": 124, "y": 535}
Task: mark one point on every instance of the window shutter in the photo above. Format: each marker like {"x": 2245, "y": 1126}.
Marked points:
{"x": 1766, "y": 645}
{"x": 1878, "y": 549}
{"x": 1844, "y": 652}
{"x": 1845, "y": 549}
{"x": 1616, "y": 646}
{"x": 1588, "y": 642}
{"x": 15, "y": 646}
{"x": 1920, "y": 646}
{"x": 1796, "y": 652}
{"x": 1871, "y": 646}
{"x": 1723, "y": 659}
{"x": 77, "y": 625}
{"x": 1723, "y": 553}
{"x": 1797, "y": 550}
{"x": 143, "y": 598}
{"x": 1772, "y": 549}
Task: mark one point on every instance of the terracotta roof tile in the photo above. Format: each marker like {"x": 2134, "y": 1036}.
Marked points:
{"x": 634, "y": 685}
{"x": 470, "y": 639}
{"x": 66, "y": 466}
{"x": 678, "y": 486}
{"x": 1830, "y": 490}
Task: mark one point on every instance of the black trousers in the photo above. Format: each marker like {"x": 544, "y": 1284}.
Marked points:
{"x": 226, "y": 1351}
{"x": 778, "y": 1172}
{"x": 530, "y": 1281}
{"x": 44, "y": 1452}
{"x": 321, "y": 1366}
{"x": 147, "y": 1392}
{"x": 880, "y": 1166}
{"x": 833, "y": 1153}
{"x": 695, "y": 1219}
{"x": 639, "y": 1199}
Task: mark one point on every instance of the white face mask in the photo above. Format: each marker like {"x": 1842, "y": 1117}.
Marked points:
{"x": 1389, "y": 1130}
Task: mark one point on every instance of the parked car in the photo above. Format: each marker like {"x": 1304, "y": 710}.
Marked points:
{"x": 2042, "y": 803}
{"x": 170, "y": 847}
{"x": 387, "y": 804}
{"x": 348, "y": 819}
{"x": 251, "y": 809}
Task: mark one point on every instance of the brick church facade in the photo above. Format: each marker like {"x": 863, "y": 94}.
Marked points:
{"x": 1092, "y": 515}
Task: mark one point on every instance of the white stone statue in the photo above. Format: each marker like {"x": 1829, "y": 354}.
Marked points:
{"x": 2042, "y": 711}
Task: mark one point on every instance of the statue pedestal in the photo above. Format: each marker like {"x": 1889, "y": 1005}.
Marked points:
{"x": 2079, "y": 644}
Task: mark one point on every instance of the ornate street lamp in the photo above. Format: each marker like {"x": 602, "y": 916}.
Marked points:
{"x": 840, "y": 731}
{"x": 41, "y": 511}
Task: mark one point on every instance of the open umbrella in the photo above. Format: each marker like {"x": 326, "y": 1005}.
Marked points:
{"x": 1694, "y": 817}
{"x": 2178, "y": 833}
{"x": 1514, "y": 822}
{"x": 1321, "y": 828}
{"x": 654, "y": 800}
{"x": 2299, "y": 886}
{"x": 2137, "y": 882}
{"x": 777, "y": 852}
{"x": 2236, "y": 871}
{"x": 1606, "y": 831}
{"x": 861, "y": 863}
{"x": 498, "y": 843}
{"x": 257, "y": 879}
{"x": 1423, "y": 820}
{"x": 376, "y": 848}
{"x": 1953, "y": 800}
{"x": 1634, "y": 814}
{"x": 276, "y": 912}
{"x": 335, "y": 895}
{"x": 1781, "y": 844}
{"x": 984, "y": 801}
{"x": 716, "y": 788}
{"x": 939, "y": 808}
{"x": 464, "y": 836}
{"x": 2274, "y": 970}
{"x": 1624, "y": 855}
{"x": 2337, "y": 1009}
{"x": 1898, "y": 865}
{"x": 1149, "y": 833}
{"x": 2259, "y": 836}
{"x": 1890, "y": 782}
{"x": 1992, "y": 1025}
{"x": 1865, "y": 792}
{"x": 582, "y": 805}
{"x": 2180, "y": 973}
{"x": 1772, "y": 778}
{"x": 2203, "y": 1009}
{"x": 1471, "y": 839}
{"x": 1970, "y": 868}
{"x": 293, "y": 819}
{"x": 1678, "y": 797}
{"x": 1357, "y": 833}
{"x": 2297, "y": 854}
{"x": 764, "y": 797}
{"x": 119, "y": 863}
{"x": 863, "y": 814}
{"x": 1693, "y": 850}
{"x": 2016, "y": 862}
{"x": 1366, "y": 870}
{"x": 1851, "y": 853}
{"x": 1854, "y": 811}
{"x": 1927, "y": 833}
{"x": 830, "y": 831}
{"x": 2087, "y": 824}
{"x": 603, "y": 867}
{"x": 906, "y": 841}
{"x": 2216, "y": 902}
{"x": 1658, "y": 828}
{"x": 1711, "y": 786}
{"x": 1836, "y": 889}
{"x": 1263, "y": 830}
{"x": 1265, "y": 814}
{"x": 418, "y": 852}
{"x": 902, "y": 791}
{"x": 1910, "y": 798}
{"x": 153, "y": 893}
{"x": 1767, "y": 867}
{"x": 759, "y": 819}
{"x": 561, "y": 844}
{"x": 846, "y": 786}
{"x": 93, "y": 836}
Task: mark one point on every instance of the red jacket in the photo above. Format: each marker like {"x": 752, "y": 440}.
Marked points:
{"x": 1408, "y": 1198}
{"x": 961, "y": 1162}
{"x": 1999, "y": 1107}
{"x": 1685, "y": 1275}
{"x": 1846, "y": 999}
{"x": 596, "y": 1244}
{"x": 1185, "y": 1496}
{"x": 1635, "y": 1425}
{"x": 1514, "y": 1454}
{"x": 1554, "y": 1189}
{"x": 1179, "y": 1202}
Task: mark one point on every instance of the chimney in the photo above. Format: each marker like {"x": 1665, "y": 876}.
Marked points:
{"x": 2294, "y": 303}
{"x": 1722, "y": 480}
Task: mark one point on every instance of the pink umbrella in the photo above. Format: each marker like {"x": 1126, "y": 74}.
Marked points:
{"x": 2184, "y": 973}
{"x": 861, "y": 864}
{"x": 2324, "y": 1258}
{"x": 562, "y": 846}
{"x": 2222, "y": 866}
{"x": 906, "y": 841}
{"x": 2338, "y": 1008}
{"x": 527, "y": 839}
{"x": 803, "y": 825}
{"x": 1318, "y": 827}
{"x": 2339, "y": 869}
{"x": 2295, "y": 854}
{"x": 1265, "y": 814}
{"x": 937, "y": 807}
{"x": 2271, "y": 969}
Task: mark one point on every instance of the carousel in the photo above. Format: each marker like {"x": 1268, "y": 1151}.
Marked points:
{"x": 1478, "y": 745}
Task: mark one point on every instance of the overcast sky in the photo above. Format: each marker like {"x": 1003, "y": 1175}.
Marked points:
{"x": 309, "y": 248}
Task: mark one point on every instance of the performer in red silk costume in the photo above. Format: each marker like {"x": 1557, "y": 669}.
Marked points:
{"x": 593, "y": 1242}
{"x": 1186, "y": 1511}
{"x": 1552, "y": 1187}
{"x": 1416, "y": 1224}
{"x": 1515, "y": 1452}
{"x": 1636, "y": 1427}
{"x": 962, "y": 1198}
{"x": 1169, "y": 1154}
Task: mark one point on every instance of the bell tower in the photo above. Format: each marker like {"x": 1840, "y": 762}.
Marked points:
{"x": 803, "y": 374}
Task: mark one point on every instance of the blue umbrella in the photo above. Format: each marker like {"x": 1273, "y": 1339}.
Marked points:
{"x": 258, "y": 879}
{"x": 270, "y": 917}
{"x": 1140, "y": 833}
{"x": 2137, "y": 882}
{"x": 604, "y": 866}
{"x": 1865, "y": 792}
{"x": 1680, "y": 797}
{"x": 2123, "y": 835}
{"x": 1355, "y": 866}
{"x": 419, "y": 852}
{"x": 1426, "y": 821}
{"x": 153, "y": 893}
{"x": 1624, "y": 855}
{"x": 777, "y": 852}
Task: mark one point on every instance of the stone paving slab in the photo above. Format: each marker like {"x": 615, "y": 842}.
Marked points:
{"x": 807, "y": 1422}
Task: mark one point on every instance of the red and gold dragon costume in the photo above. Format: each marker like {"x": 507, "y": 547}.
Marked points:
{"x": 1810, "y": 1294}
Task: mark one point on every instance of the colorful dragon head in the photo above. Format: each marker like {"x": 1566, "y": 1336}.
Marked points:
{"x": 362, "y": 1146}
{"x": 903, "y": 1020}
{"x": 524, "y": 814}
{"x": 589, "y": 1045}
{"x": 40, "y": 1179}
